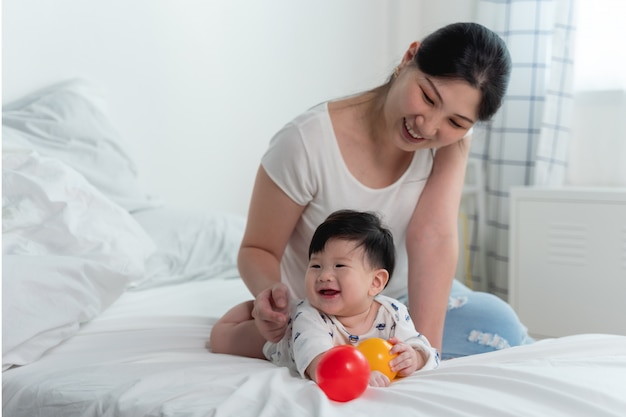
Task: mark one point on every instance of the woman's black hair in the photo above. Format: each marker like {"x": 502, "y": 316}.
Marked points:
{"x": 363, "y": 227}
{"x": 470, "y": 52}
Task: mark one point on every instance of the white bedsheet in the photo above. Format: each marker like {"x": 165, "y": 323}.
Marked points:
{"x": 146, "y": 356}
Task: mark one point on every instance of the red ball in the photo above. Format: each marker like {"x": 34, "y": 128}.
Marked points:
{"x": 343, "y": 373}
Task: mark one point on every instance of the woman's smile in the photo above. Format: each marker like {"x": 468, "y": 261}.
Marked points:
{"x": 410, "y": 134}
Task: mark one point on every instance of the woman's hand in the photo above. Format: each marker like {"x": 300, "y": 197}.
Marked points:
{"x": 271, "y": 312}
{"x": 407, "y": 361}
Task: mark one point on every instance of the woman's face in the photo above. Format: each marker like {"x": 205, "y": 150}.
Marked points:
{"x": 422, "y": 111}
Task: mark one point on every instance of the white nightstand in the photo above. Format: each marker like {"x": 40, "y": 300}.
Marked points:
{"x": 567, "y": 260}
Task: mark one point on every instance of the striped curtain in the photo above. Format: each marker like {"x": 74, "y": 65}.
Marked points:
{"x": 526, "y": 143}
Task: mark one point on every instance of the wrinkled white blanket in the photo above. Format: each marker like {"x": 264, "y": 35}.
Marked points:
{"x": 146, "y": 356}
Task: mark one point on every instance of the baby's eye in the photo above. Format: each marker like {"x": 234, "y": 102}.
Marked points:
{"x": 314, "y": 266}
{"x": 339, "y": 265}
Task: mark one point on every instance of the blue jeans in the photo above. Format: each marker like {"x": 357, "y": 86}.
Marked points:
{"x": 479, "y": 322}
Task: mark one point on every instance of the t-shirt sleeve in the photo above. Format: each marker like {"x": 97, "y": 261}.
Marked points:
{"x": 405, "y": 331}
{"x": 287, "y": 163}
{"x": 310, "y": 336}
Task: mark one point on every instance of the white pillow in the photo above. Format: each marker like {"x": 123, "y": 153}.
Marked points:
{"x": 68, "y": 121}
{"x": 191, "y": 245}
{"x": 46, "y": 298}
{"x": 68, "y": 252}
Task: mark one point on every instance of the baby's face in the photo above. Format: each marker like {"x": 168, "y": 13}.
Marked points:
{"x": 339, "y": 279}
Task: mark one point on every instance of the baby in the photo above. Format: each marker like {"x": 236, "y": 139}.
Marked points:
{"x": 351, "y": 259}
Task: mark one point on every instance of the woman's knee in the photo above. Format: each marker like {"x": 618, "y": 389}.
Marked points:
{"x": 479, "y": 322}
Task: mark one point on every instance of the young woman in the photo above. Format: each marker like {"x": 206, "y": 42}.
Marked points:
{"x": 399, "y": 150}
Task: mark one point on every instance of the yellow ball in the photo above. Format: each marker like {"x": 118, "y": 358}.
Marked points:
{"x": 376, "y": 350}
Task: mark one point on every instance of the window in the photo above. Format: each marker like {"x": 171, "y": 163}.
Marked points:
{"x": 600, "y": 45}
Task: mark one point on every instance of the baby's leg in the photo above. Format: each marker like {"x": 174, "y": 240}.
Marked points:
{"x": 236, "y": 333}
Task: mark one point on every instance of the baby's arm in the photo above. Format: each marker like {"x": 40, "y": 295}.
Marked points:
{"x": 414, "y": 351}
{"x": 311, "y": 339}
{"x": 312, "y": 368}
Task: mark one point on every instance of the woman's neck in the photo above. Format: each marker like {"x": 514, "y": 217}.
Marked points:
{"x": 363, "y": 138}
{"x": 370, "y": 111}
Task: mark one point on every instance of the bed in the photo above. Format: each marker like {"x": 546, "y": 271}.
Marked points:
{"x": 109, "y": 295}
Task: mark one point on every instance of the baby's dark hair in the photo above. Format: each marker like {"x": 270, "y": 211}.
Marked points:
{"x": 363, "y": 227}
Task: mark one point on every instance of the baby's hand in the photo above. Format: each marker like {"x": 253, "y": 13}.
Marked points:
{"x": 408, "y": 359}
{"x": 378, "y": 379}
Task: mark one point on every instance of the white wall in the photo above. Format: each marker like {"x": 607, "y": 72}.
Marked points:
{"x": 435, "y": 14}
{"x": 198, "y": 87}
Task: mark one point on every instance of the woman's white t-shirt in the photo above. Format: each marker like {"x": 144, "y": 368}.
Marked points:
{"x": 305, "y": 161}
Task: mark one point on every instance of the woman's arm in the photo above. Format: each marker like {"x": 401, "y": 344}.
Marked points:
{"x": 272, "y": 216}
{"x": 432, "y": 241}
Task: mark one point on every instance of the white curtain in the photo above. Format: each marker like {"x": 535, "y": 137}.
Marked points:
{"x": 526, "y": 143}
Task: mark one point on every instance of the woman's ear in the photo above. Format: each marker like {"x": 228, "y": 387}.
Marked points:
{"x": 381, "y": 276}
{"x": 409, "y": 55}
